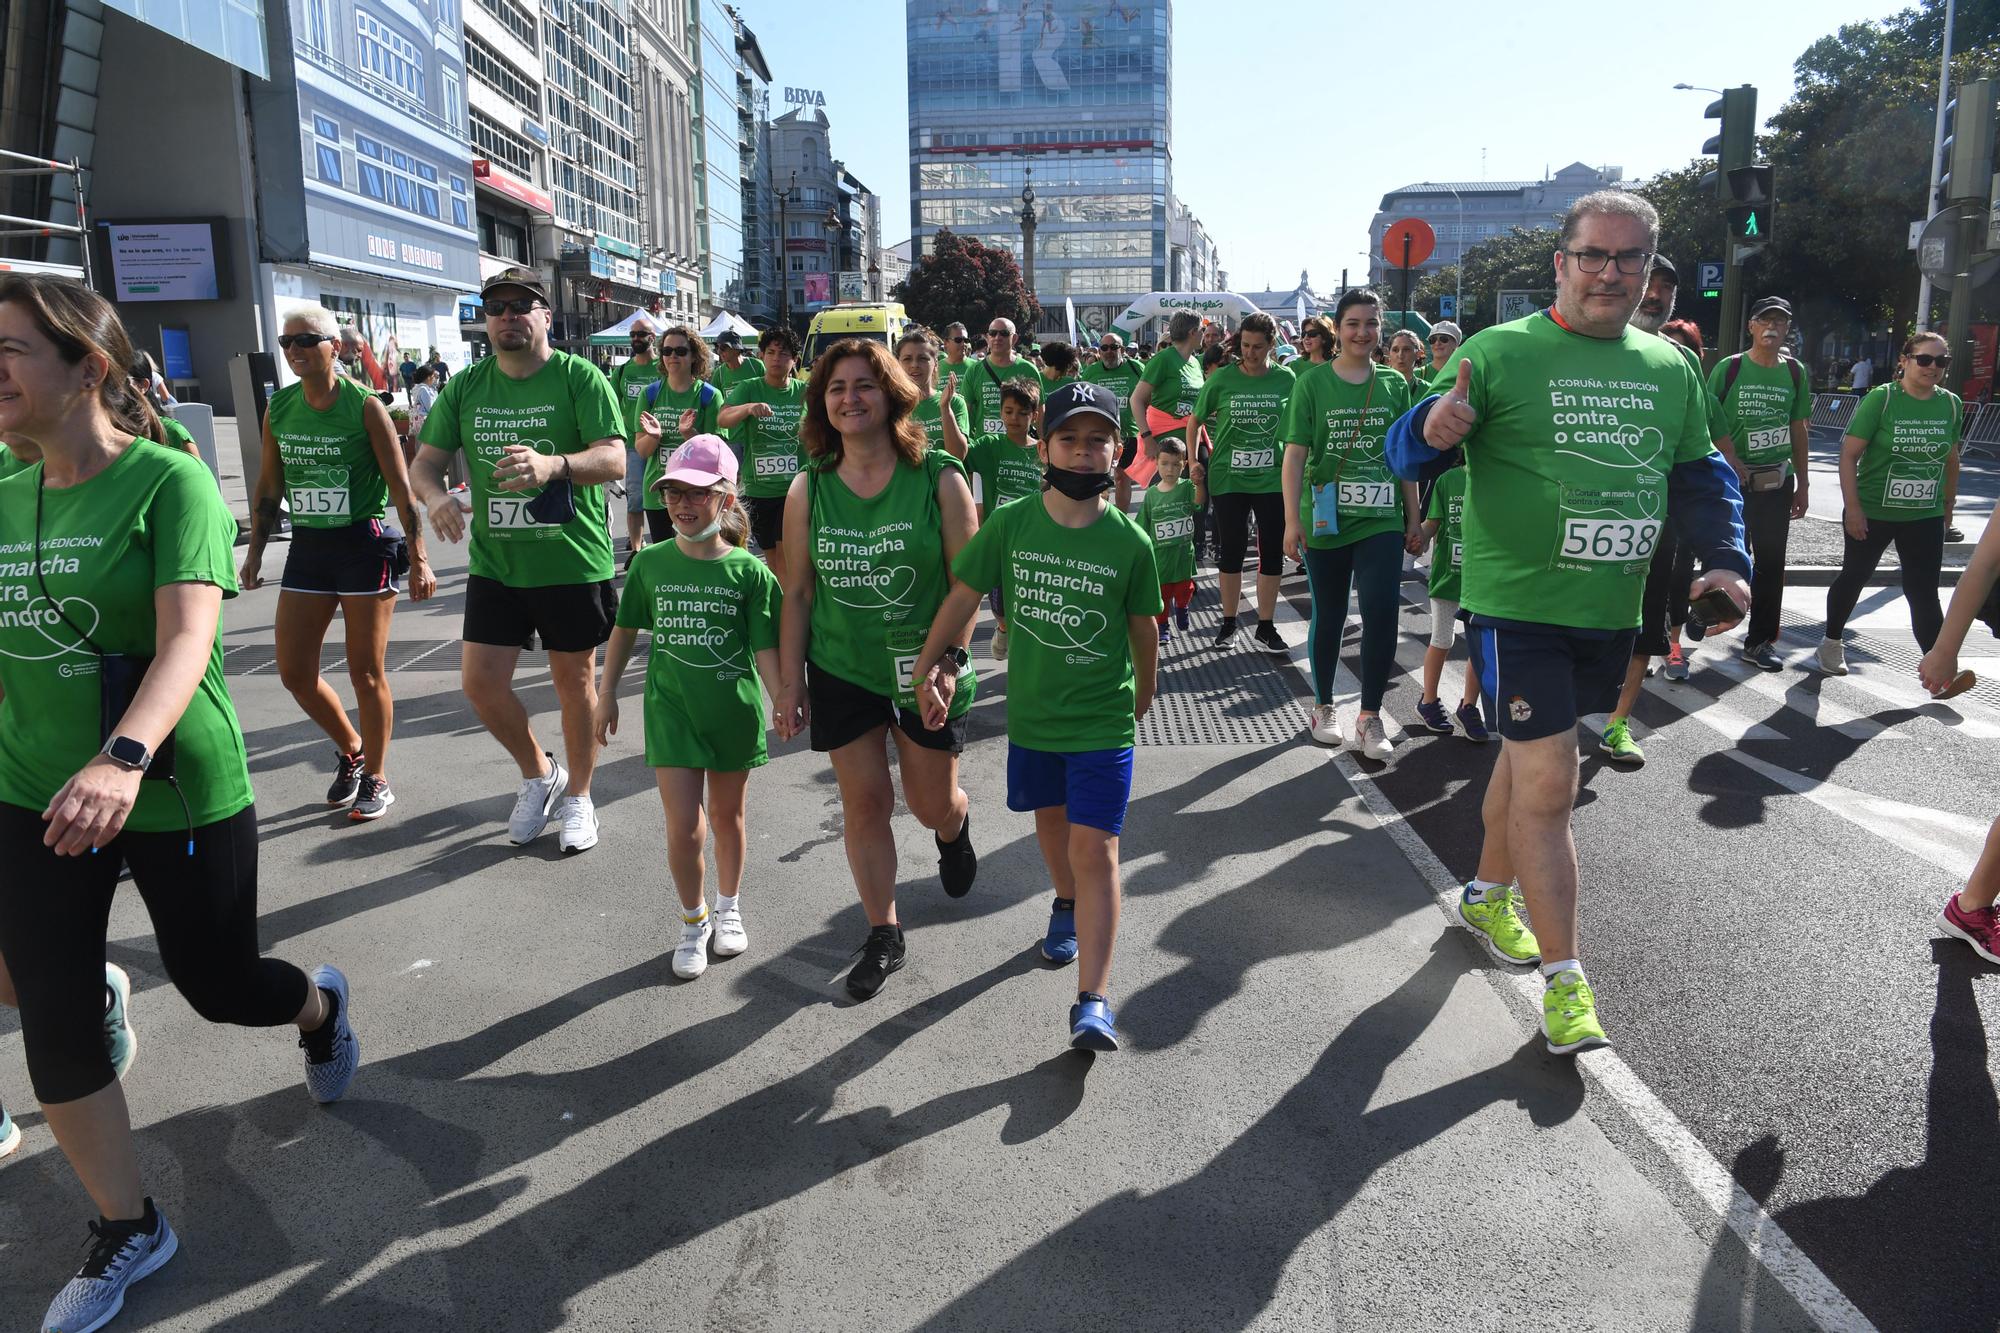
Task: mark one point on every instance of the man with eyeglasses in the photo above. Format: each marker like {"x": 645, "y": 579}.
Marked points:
{"x": 628, "y": 382}
{"x": 1120, "y": 374}
{"x": 542, "y": 433}
{"x": 1000, "y": 364}
{"x": 1445, "y": 338}
{"x": 1581, "y": 437}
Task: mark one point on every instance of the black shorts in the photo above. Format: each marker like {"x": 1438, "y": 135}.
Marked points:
{"x": 1233, "y": 512}
{"x": 843, "y": 712}
{"x": 567, "y": 617}
{"x": 1129, "y": 452}
{"x": 767, "y": 520}
{"x": 1537, "y": 680}
{"x": 363, "y": 559}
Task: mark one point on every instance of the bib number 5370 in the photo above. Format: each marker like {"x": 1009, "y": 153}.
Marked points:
{"x": 1610, "y": 539}
{"x": 1173, "y": 529}
{"x": 510, "y": 514}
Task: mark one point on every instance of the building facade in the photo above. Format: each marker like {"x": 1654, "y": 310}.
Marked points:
{"x": 1464, "y": 213}
{"x": 718, "y": 144}
{"x": 808, "y": 197}
{"x": 663, "y": 78}
{"x": 761, "y": 271}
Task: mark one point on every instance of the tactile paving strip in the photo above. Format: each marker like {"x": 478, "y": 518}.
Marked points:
{"x": 1242, "y": 697}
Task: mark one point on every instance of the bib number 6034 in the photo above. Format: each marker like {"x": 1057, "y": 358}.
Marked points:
{"x": 1610, "y": 539}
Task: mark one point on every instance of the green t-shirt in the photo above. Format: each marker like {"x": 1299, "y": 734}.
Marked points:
{"x": 331, "y": 475}
{"x": 982, "y": 384}
{"x": 1168, "y": 518}
{"x": 9, "y": 465}
{"x": 628, "y": 382}
{"x": 770, "y": 450}
{"x": 1762, "y": 405}
{"x": 1245, "y": 414}
{"x": 1448, "y": 549}
{"x": 1341, "y": 426}
{"x": 1176, "y": 382}
{"x": 1069, "y": 594}
{"x": 666, "y": 407}
{"x": 931, "y": 415}
{"x": 1566, "y": 468}
{"x": 150, "y": 519}
{"x": 879, "y": 575}
{"x": 1121, "y": 380}
{"x": 1004, "y": 470}
{"x": 178, "y": 436}
{"x": 563, "y": 408}
{"x": 709, "y": 620}
{"x": 1901, "y": 473}
{"x": 725, "y": 379}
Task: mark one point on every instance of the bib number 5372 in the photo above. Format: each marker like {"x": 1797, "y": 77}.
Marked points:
{"x": 1611, "y": 540}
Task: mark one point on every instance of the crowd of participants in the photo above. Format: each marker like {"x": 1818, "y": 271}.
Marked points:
{"x": 809, "y": 556}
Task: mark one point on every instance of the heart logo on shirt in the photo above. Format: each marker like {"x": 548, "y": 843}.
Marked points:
{"x": 1063, "y": 628}
{"x": 63, "y": 640}
{"x": 334, "y": 476}
{"x": 1651, "y": 502}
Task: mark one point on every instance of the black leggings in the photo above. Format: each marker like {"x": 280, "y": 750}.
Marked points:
{"x": 54, "y": 911}
{"x": 1373, "y": 566}
{"x": 1919, "y": 549}
{"x": 1233, "y": 512}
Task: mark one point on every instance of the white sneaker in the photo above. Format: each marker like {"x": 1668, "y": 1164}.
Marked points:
{"x": 999, "y": 643}
{"x": 691, "y": 954}
{"x": 730, "y": 937}
{"x": 579, "y": 825}
{"x": 1370, "y": 740}
{"x": 1325, "y": 726}
{"x": 1832, "y": 657}
{"x": 534, "y": 804}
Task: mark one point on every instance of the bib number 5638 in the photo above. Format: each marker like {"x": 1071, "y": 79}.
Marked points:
{"x": 510, "y": 514}
{"x": 1610, "y": 539}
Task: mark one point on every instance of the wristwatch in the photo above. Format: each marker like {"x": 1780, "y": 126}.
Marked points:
{"x": 955, "y": 655}
{"x": 128, "y": 754}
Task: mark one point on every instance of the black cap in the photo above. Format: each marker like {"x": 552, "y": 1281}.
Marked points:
{"x": 729, "y": 338}
{"x": 1074, "y": 398}
{"x": 1766, "y": 304}
{"x": 1662, "y": 264}
{"x": 525, "y": 278}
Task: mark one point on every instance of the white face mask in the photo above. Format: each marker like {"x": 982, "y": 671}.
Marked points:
{"x": 706, "y": 532}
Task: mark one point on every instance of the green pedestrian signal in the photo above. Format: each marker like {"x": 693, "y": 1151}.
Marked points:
{"x": 1750, "y": 226}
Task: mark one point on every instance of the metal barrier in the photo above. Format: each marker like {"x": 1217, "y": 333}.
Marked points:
{"x": 1832, "y": 411}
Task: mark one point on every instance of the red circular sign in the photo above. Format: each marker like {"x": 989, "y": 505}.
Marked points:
{"x": 1422, "y": 241}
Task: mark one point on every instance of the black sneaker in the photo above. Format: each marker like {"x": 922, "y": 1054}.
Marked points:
{"x": 1270, "y": 640}
{"x": 958, "y": 864}
{"x": 1181, "y": 619}
{"x": 373, "y": 801}
{"x": 346, "y": 780}
{"x": 1954, "y": 534}
{"x": 120, "y": 1254}
{"x": 881, "y": 953}
{"x": 1763, "y": 656}
{"x": 1225, "y": 636}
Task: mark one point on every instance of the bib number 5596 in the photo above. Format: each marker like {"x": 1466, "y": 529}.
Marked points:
{"x": 510, "y": 514}
{"x": 1610, "y": 539}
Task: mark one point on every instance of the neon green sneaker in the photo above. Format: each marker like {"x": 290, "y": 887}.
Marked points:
{"x": 1618, "y": 743}
{"x": 1569, "y": 1015}
{"x": 1496, "y": 919}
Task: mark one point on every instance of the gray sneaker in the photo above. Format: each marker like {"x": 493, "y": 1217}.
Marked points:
{"x": 374, "y": 799}
{"x": 332, "y": 1050}
{"x": 120, "y": 1254}
{"x": 1832, "y": 657}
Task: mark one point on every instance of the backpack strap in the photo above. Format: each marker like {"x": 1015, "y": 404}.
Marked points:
{"x": 1735, "y": 369}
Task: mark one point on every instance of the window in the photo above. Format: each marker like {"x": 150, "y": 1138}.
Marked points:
{"x": 388, "y": 55}
{"x": 372, "y": 183}
{"x": 510, "y": 15}
{"x": 497, "y": 73}
{"x": 325, "y": 128}
{"x": 458, "y": 213}
{"x": 427, "y": 201}
{"x": 329, "y": 163}
{"x": 500, "y": 145}
{"x": 316, "y": 29}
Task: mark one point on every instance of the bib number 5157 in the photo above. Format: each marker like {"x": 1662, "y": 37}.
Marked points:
{"x": 1611, "y": 540}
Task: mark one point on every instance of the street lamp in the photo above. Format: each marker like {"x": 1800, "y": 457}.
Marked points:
{"x": 833, "y": 253}
{"x": 875, "y": 280}
{"x": 1695, "y": 88}
{"x": 1028, "y": 220}
{"x": 1458, "y": 263}
{"x": 786, "y": 198}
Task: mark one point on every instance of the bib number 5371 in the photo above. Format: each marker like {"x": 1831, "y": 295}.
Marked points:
{"x": 1611, "y": 540}
{"x": 1367, "y": 495}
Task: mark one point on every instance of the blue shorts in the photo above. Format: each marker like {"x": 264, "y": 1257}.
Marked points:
{"x": 1537, "y": 680}
{"x": 1092, "y": 786}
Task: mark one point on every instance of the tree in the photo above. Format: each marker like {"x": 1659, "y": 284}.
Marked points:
{"x": 964, "y": 281}
{"x": 1521, "y": 260}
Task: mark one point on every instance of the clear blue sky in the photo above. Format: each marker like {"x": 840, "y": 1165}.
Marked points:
{"x": 1427, "y": 87}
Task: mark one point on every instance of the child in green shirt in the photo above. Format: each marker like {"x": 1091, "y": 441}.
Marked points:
{"x": 1167, "y": 516}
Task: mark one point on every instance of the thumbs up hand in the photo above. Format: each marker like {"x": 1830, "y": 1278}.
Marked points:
{"x": 1451, "y": 418}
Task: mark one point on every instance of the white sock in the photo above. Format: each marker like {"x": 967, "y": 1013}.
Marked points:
{"x": 700, "y": 915}
{"x": 725, "y": 902}
{"x": 1550, "y": 971}
{"x": 1477, "y": 889}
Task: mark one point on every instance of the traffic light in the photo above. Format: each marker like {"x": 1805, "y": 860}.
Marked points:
{"x": 1749, "y": 192}
{"x": 1735, "y": 143}
{"x": 1966, "y": 156}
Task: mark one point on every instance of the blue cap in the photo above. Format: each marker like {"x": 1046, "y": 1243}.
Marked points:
{"x": 1079, "y": 396}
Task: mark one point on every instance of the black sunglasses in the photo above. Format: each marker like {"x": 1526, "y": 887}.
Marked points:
{"x": 1931, "y": 358}
{"x": 682, "y": 350}
{"x": 960, "y": 339}
{"x": 303, "y": 341}
{"x": 495, "y": 308}
{"x": 1443, "y": 338}
{"x": 998, "y": 333}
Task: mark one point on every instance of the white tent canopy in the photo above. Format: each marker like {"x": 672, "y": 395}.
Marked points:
{"x": 729, "y": 320}
{"x": 621, "y": 333}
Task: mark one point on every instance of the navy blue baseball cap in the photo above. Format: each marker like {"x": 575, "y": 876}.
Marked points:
{"x": 1075, "y": 397}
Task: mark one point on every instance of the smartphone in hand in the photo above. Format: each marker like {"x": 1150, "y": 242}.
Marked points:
{"x": 1714, "y": 607}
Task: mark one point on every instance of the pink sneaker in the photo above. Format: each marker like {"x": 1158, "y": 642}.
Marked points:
{"x": 1980, "y": 929}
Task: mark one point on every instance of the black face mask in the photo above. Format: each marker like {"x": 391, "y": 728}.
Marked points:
{"x": 1077, "y": 485}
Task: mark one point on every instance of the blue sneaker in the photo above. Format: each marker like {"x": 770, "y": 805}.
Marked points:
{"x": 1092, "y": 1025}
{"x": 1475, "y": 726}
{"x": 1433, "y": 718}
{"x": 1166, "y": 634}
{"x": 120, "y": 1042}
{"x": 10, "y": 1133}
{"x": 120, "y": 1254}
{"x": 333, "y": 1052}
{"x": 1059, "y": 945}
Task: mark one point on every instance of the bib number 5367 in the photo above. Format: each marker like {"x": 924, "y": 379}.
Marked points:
{"x": 1610, "y": 539}
{"x": 510, "y": 514}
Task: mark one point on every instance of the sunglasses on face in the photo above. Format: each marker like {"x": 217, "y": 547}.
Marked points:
{"x": 680, "y": 350}
{"x": 958, "y": 340}
{"x": 303, "y": 341}
{"x": 1931, "y": 358}
{"x": 519, "y": 306}
{"x": 998, "y": 333}
{"x": 1446, "y": 341}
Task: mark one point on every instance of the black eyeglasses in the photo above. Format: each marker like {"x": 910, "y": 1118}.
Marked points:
{"x": 519, "y": 306}
{"x": 682, "y": 350}
{"x": 683, "y": 494}
{"x": 1593, "y": 261}
{"x": 1931, "y": 358}
{"x": 1112, "y": 347}
{"x": 303, "y": 341}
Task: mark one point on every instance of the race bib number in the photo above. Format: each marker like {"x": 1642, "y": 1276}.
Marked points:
{"x": 1367, "y": 495}
{"x": 1608, "y": 540}
{"x": 1457, "y": 555}
{"x": 511, "y": 514}
{"x": 775, "y": 465}
{"x": 320, "y": 502}
{"x": 1253, "y": 460}
{"x": 1761, "y": 444}
{"x": 1173, "y": 529}
{"x": 1910, "y": 492}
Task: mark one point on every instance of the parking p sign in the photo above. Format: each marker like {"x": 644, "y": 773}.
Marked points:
{"x": 1711, "y": 276}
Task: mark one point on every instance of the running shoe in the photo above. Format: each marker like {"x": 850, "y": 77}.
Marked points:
{"x": 535, "y": 802}
{"x": 730, "y": 937}
{"x": 1270, "y": 640}
{"x": 1092, "y": 1025}
{"x": 10, "y": 1133}
{"x": 691, "y": 954}
{"x": 1181, "y": 619}
{"x": 120, "y": 1042}
{"x": 1832, "y": 658}
{"x": 1166, "y": 633}
{"x": 1980, "y": 929}
{"x": 1225, "y": 637}
{"x": 1677, "y": 663}
{"x": 1059, "y": 943}
{"x": 1763, "y": 656}
{"x": 1325, "y": 726}
{"x": 579, "y": 825}
{"x": 1370, "y": 740}
{"x": 346, "y": 779}
{"x": 1954, "y": 533}
{"x": 999, "y": 643}
{"x": 881, "y": 953}
{"x": 1569, "y": 1015}
{"x": 332, "y": 1050}
{"x": 1495, "y": 916}
{"x": 1432, "y": 718}
{"x": 958, "y": 864}
{"x": 1475, "y": 725}
{"x": 1619, "y": 745}
{"x": 120, "y": 1254}
{"x": 374, "y": 800}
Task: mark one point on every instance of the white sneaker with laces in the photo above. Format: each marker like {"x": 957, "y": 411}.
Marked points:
{"x": 535, "y": 802}
{"x": 1832, "y": 657}
{"x": 691, "y": 954}
{"x": 579, "y": 825}
{"x": 730, "y": 937}
{"x": 1370, "y": 740}
{"x": 1325, "y": 726}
